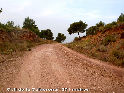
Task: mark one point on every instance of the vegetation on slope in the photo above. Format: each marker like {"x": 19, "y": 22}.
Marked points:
{"x": 104, "y": 42}
{"x": 14, "y": 38}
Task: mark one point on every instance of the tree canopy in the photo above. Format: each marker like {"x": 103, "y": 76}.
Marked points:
{"x": 10, "y": 24}
{"x": 46, "y": 34}
{"x": 77, "y": 27}
{"x": 91, "y": 30}
{"x": 100, "y": 24}
{"x": 121, "y": 18}
{"x": 60, "y": 38}
{"x": 30, "y": 24}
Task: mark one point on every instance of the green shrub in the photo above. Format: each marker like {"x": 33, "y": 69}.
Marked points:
{"x": 101, "y": 29}
{"x": 102, "y": 48}
{"x": 91, "y": 30}
{"x": 120, "y": 63}
{"x": 76, "y": 39}
{"x": 100, "y": 24}
{"x": 122, "y": 42}
{"x": 119, "y": 54}
{"x": 8, "y": 48}
{"x": 110, "y": 25}
{"x": 108, "y": 39}
{"x": 121, "y": 18}
{"x": 6, "y": 27}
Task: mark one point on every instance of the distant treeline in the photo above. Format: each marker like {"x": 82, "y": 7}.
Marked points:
{"x": 29, "y": 24}
{"x": 76, "y": 27}
{"x": 80, "y": 27}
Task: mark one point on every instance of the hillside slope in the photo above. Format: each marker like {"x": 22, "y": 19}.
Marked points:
{"x": 19, "y": 40}
{"x": 106, "y": 45}
{"x": 17, "y": 35}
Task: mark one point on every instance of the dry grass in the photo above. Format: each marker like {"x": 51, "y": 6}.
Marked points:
{"x": 11, "y": 50}
{"x": 106, "y": 47}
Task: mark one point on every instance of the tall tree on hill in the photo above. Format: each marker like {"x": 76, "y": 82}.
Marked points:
{"x": 60, "y": 38}
{"x": 121, "y": 18}
{"x": 77, "y": 27}
{"x": 30, "y": 24}
{"x": 46, "y": 34}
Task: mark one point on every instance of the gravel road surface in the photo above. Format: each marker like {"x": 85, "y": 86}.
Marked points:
{"x": 53, "y": 68}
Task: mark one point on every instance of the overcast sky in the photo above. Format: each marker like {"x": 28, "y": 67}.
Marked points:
{"x": 57, "y": 15}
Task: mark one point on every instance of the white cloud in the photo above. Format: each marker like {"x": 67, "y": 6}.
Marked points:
{"x": 47, "y": 12}
{"x": 23, "y": 6}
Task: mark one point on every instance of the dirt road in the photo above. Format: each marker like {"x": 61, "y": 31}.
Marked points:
{"x": 53, "y": 66}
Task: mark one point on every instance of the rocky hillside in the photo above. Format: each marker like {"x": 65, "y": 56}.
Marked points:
{"x": 17, "y": 35}
{"x": 107, "y": 45}
{"x": 19, "y": 40}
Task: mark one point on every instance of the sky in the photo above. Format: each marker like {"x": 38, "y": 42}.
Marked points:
{"x": 57, "y": 15}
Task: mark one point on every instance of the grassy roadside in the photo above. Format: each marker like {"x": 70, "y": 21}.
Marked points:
{"x": 10, "y": 47}
{"x": 105, "y": 47}
{"x": 10, "y": 53}
{"x": 10, "y": 50}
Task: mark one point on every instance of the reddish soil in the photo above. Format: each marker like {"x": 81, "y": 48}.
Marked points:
{"x": 53, "y": 66}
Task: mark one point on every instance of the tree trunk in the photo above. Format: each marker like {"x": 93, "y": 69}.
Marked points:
{"x": 79, "y": 35}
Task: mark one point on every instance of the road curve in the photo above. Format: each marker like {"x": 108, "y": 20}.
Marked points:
{"x": 50, "y": 68}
